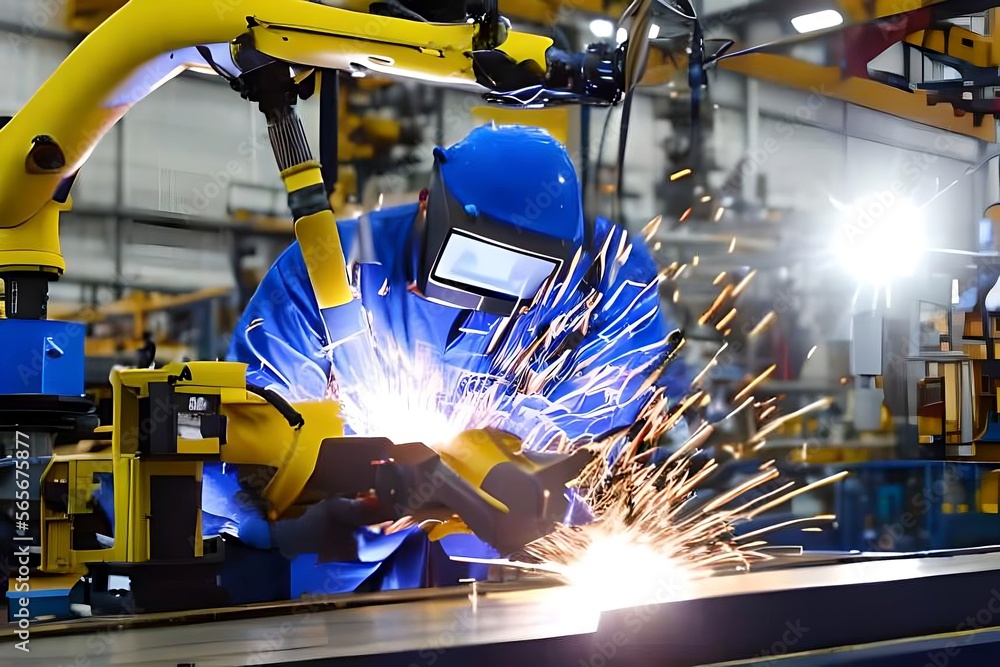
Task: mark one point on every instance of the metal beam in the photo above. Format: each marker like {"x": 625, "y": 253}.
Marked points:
{"x": 827, "y": 82}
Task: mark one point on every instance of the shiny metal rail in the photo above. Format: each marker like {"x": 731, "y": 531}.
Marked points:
{"x": 723, "y": 618}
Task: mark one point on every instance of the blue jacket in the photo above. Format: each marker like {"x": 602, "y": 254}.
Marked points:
{"x": 593, "y": 390}
{"x": 285, "y": 350}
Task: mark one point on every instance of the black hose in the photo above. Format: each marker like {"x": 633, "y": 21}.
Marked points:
{"x": 278, "y": 402}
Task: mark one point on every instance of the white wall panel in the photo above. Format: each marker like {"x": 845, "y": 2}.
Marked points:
{"x": 87, "y": 245}
{"x": 187, "y": 142}
{"x": 34, "y": 15}
{"x": 26, "y": 63}
{"x": 808, "y": 108}
{"x": 729, "y": 137}
{"x": 803, "y": 165}
{"x": 882, "y": 128}
{"x": 97, "y": 181}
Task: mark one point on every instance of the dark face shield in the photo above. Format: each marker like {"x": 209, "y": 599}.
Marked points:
{"x": 471, "y": 260}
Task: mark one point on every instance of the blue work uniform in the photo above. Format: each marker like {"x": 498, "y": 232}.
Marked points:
{"x": 282, "y": 338}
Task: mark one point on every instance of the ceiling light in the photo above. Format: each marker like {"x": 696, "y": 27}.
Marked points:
{"x": 602, "y": 28}
{"x": 622, "y": 34}
{"x": 827, "y": 18}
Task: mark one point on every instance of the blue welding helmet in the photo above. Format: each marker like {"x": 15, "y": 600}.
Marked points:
{"x": 504, "y": 213}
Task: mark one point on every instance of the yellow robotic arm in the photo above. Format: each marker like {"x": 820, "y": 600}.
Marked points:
{"x": 266, "y": 48}
{"x": 124, "y": 60}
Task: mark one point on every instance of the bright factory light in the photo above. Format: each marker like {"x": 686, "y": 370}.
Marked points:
{"x": 881, "y": 238}
{"x": 602, "y": 28}
{"x": 622, "y": 34}
{"x": 827, "y": 18}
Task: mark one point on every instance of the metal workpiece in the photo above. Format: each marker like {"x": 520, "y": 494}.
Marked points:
{"x": 867, "y": 605}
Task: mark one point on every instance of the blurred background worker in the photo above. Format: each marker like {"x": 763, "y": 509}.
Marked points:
{"x": 494, "y": 253}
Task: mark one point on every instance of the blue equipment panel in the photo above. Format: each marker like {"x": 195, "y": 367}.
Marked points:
{"x": 41, "y": 357}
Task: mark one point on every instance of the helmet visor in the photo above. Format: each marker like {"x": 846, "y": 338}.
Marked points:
{"x": 474, "y": 261}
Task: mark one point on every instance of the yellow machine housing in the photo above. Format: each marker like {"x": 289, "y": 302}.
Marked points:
{"x": 168, "y": 422}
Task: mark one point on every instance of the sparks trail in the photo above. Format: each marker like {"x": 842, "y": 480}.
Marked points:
{"x": 651, "y": 513}
{"x": 649, "y": 523}
{"x": 549, "y": 362}
{"x": 648, "y": 516}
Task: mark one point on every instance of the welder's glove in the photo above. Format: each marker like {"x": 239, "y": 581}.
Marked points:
{"x": 255, "y": 531}
{"x": 328, "y": 528}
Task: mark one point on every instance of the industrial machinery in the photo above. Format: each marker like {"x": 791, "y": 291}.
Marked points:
{"x": 931, "y": 358}
{"x": 907, "y": 59}
{"x": 953, "y": 377}
{"x": 168, "y": 422}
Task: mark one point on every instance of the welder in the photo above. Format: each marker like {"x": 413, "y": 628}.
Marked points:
{"x": 449, "y": 276}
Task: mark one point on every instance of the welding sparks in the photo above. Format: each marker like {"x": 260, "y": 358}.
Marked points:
{"x": 615, "y": 571}
{"x": 764, "y": 323}
{"x": 755, "y": 382}
{"x": 652, "y": 531}
{"x": 407, "y": 393}
{"x": 821, "y": 404}
{"x": 716, "y": 305}
{"x": 407, "y": 397}
{"x": 743, "y": 283}
{"x": 726, "y": 320}
{"x": 649, "y": 231}
{"x": 678, "y": 175}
